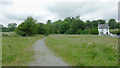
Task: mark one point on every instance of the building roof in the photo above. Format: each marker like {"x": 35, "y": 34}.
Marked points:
{"x": 103, "y": 26}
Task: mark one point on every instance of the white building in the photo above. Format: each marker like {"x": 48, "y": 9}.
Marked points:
{"x": 103, "y": 29}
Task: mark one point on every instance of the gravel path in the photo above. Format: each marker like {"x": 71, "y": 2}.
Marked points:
{"x": 45, "y": 57}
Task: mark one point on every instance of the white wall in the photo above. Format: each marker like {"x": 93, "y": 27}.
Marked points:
{"x": 104, "y": 31}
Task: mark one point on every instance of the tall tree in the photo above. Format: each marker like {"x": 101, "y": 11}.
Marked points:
{"x": 49, "y": 22}
{"x": 11, "y": 26}
{"x": 64, "y": 27}
{"x": 76, "y": 25}
{"x": 95, "y": 23}
{"x": 27, "y": 28}
{"x": 88, "y": 24}
{"x": 77, "y": 17}
{"x": 102, "y": 21}
{"x": 57, "y": 25}
{"x": 41, "y": 28}
{"x": 50, "y": 27}
{"x": 112, "y": 23}
{"x": 68, "y": 19}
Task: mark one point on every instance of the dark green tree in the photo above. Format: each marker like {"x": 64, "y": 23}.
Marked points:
{"x": 118, "y": 25}
{"x": 49, "y": 22}
{"x": 76, "y": 25}
{"x": 68, "y": 19}
{"x": 88, "y": 24}
{"x": 50, "y": 27}
{"x": 95, "y": 23}
{"x": 27, "y": 28}
{"x": 102, "y": 21}
{"x": 64, "y": 27}
{"x": 41, "y": 28}
{"x": 11, "y": 26}
{"x": 112, "y": 23}
{"x": 57, "y": 25}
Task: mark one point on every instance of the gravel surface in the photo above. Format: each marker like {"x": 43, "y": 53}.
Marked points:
{"x": 45, "y": 57}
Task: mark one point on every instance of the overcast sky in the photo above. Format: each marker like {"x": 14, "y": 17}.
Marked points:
{"x": 43, "y": 10}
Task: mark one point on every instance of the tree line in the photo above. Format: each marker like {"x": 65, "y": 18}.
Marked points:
{"x": 70, "y": 25}
{"x": 10, "y": 27}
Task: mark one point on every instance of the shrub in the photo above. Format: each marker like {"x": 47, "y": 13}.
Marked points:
{"x": 115, "y": 31}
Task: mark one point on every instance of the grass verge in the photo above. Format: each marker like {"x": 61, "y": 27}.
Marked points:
{"x": 85, "y": 50}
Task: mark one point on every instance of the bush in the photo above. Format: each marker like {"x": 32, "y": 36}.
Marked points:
{"x": 115, "y": 31}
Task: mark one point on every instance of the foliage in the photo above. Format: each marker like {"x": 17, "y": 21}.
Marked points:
{"x": 41, "y": 28}
{"x": 94, "y": 30}
{"x": 102, "y": 21}
{"x": 10, "y": 27}
{"x": 112, "y": 24}
{"x": 95, "y": 23}
{"x": 88, "y": 24}
{"x": 115, "y": 31}
{"x": 27, "y": 28}
{"x": 64, "y": 27}
{"x": 49, "y": 22}
{"x": 70, "y": 25}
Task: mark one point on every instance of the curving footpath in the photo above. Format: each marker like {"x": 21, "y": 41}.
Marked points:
{"x": 45, "y": 57}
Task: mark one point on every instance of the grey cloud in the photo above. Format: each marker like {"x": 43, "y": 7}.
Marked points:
{"x": 110, "y": 15}
{"x": 21, "y": 17}
{"x": 63, "y": 9}
{"x": 6, "y": 2}
{"x": 15, "y": 16}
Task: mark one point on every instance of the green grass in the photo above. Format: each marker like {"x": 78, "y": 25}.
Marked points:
{"x": 85, "y": 50}
{"x": 17, "y": 51}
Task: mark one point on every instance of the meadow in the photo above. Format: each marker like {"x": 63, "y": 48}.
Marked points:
{"x": 17, "y": 50}
{"x": 85, "y": 50}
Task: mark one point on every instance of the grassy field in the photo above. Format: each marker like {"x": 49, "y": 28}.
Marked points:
{"x": 17, "y": 51}
{"x": 85, "y": 50}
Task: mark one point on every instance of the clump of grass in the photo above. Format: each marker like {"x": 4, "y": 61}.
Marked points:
{"x": 85, "y": 50}
{"x": 17, "y": 51}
